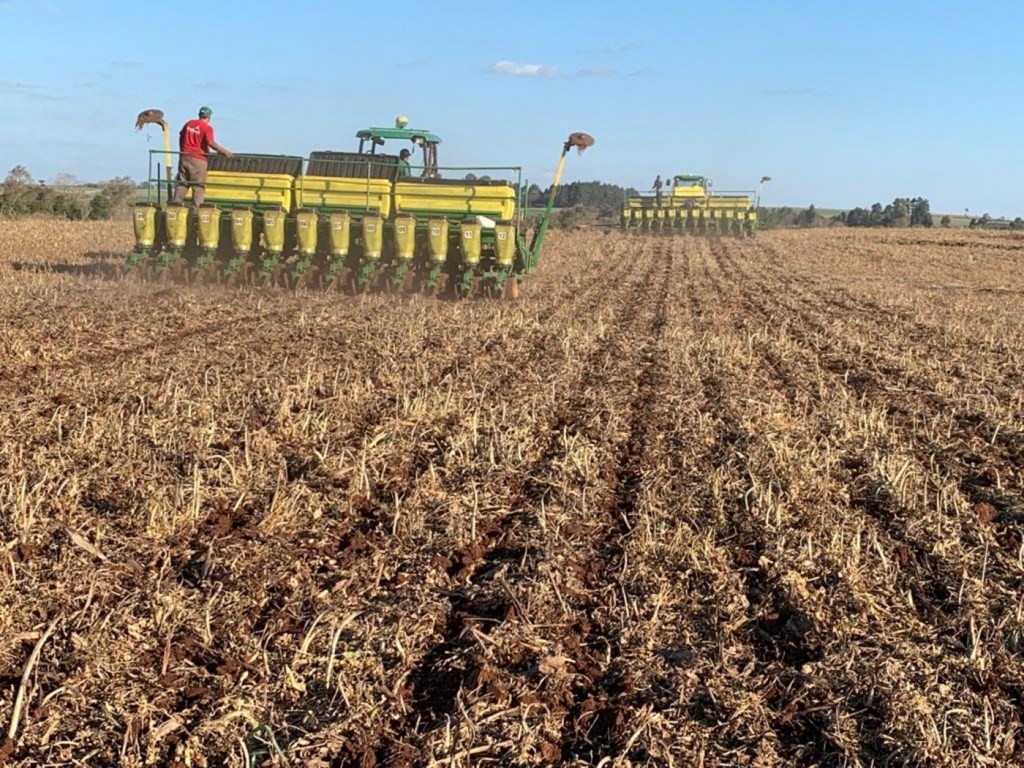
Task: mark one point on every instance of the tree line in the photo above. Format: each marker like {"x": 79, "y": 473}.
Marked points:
{"x": 21, "y": 195}
{"x": 987, "y": 222}
{"x": 901, "y": 212}
{"x": 586, "y": 193}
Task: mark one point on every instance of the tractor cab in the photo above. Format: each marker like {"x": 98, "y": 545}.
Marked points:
{"x": 426, "y": 165}
{"x": 690, "y": 186}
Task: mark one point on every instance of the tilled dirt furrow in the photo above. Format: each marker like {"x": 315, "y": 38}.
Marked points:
{"x": 689, "y": 501}
{"x": 779, "y": 633}
{"x": 930, "y": 578}
{"x": 903, "y": 397}
{"x": 503, "y": 556}
{"x": 938, "y": 575}
{"x": 595, "y": 727}
{"x": 929, "y": 342}
{"x": 360, "y": 543}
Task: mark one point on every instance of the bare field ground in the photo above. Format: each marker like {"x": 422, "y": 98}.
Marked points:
{"x": 689, "y": 502}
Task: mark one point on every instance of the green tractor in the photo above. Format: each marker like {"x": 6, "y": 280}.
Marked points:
{"x": 367, "y": 219}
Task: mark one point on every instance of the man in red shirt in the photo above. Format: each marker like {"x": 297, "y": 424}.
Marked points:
{"x": 195, "y": 143}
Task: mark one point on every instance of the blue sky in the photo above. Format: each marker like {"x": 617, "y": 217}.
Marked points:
{"x": 841, "y": 103}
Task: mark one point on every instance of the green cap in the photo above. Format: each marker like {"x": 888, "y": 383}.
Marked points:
{"x": 205, "y": 112}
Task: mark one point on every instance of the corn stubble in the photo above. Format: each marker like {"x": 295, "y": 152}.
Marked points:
{"x": 689, "y": 502}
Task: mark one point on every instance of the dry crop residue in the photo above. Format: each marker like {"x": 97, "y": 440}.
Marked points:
{"x": 689, "y": 502}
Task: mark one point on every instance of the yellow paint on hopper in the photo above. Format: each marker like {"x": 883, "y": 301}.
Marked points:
{"x": 223, "y": 187}
{"x": 437, "y": 240}
{"x": 494, "y": 201}
{"x": 176, "y": 220}
{"x": 241, "y": 230}
{"x": 145, "y": 225}
{"x": 209, "y": 227}
{"x": 372, "y": 195}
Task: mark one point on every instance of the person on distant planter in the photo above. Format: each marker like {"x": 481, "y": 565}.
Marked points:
{"x": 195, "y": 142}
{"x": 657, "y": 189}
{"x": 404, "y": 169}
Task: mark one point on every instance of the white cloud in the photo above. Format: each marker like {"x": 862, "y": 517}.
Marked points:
{"x": 517, "y": 69}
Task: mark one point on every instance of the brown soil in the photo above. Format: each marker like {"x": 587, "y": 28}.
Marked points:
{"x": 686, "y": 502}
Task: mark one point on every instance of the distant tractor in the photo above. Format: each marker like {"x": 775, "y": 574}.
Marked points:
{"x": 688, "y": 206}
{"x": 365, "y": 219}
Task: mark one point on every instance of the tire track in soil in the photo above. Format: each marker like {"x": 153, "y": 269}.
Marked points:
{"x": 783, "y": 637}
{"x": 602, "y": 701}
{"x": 930, "y": 579}
{"x": 436, "y": 683}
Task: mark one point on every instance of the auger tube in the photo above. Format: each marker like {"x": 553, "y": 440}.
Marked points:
{"x": 580, "y": 141}
{"x": 542, "y": 230}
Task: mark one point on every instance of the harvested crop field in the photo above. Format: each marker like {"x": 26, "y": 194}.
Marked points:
{"x": 689, "y": 502}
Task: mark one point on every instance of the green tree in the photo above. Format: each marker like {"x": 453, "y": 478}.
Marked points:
{"x": 920, "y": 213}
{"x": 14, "y": 194}
{"x": 67, "y": 207}
{"x": 120, "y": 191}
{"x": 897, "y": 213}
{"x": 858, "y": 217}
{"x": 100, "y": 207}
{"x": 589, "y": 193}
{"x": 808, "y": 218}
{"x": 945, "y": 221}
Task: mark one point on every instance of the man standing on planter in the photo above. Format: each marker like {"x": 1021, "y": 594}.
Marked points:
{"x": 195, "y": 142}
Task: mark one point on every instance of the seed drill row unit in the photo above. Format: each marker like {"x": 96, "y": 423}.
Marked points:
{"x": 688, "y": 206}
{"x": 362, "y": 217}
